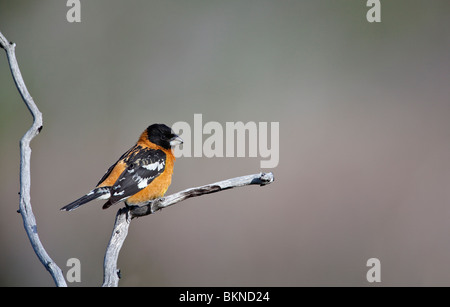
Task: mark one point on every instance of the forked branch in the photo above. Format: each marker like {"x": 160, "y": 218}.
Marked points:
{"x": 111, "y": 274}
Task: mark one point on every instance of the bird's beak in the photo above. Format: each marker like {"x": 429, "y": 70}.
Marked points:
{"x": 176, "y": 140}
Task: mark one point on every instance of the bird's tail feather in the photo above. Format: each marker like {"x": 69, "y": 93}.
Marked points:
{"x": 97, "y": 193}
{"x": 107, "y": 204}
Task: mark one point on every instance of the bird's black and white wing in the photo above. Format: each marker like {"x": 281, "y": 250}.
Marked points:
{"x": 143, "y": 165}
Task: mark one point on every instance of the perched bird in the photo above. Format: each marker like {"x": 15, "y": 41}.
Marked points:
{"x": 141, "y": 174}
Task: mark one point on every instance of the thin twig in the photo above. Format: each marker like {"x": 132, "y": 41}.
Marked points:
{"x": 111, "y": 274}
{"x": 25, "y": 209}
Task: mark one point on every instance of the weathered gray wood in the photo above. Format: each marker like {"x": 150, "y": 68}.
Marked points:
{"x": 111, "y": 274}
{"x": 124, "y": 216}
{"x": 25, "y": 209}
{"x": 158, "y": 204}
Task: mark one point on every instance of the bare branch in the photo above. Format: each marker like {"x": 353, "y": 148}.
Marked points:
{"x": 111, "y": 274}
{"x": 124, "y": 216}
{"x": 25, "y": 209}
{"x": 158, "y": 204}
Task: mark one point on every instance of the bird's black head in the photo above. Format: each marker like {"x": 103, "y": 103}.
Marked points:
{"x": 163, "y": 136}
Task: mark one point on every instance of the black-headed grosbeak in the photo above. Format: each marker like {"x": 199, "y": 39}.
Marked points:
{"x": 141, "y": 174}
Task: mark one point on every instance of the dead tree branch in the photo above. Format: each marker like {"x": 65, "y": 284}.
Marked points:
{"x": 25, "y": 209}
{"x": 124, "y": 215}
{"x": 111, "y": 274}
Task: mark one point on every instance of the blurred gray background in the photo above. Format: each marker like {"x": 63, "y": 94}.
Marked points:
{"x": 364, "y": 139}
